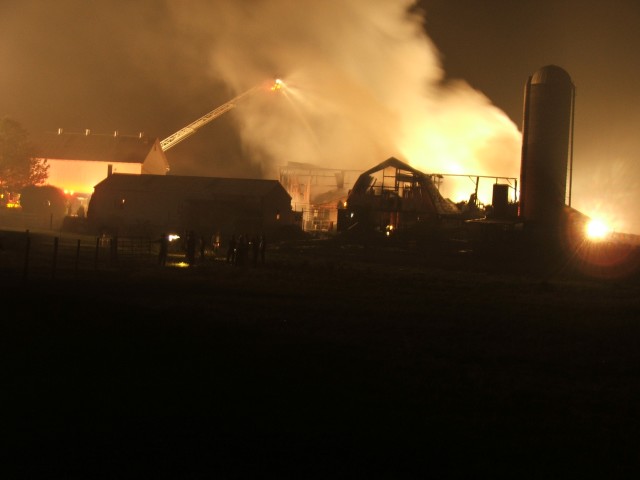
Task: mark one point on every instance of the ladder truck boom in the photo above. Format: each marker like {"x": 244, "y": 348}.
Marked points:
{"x": 175, "y": 138}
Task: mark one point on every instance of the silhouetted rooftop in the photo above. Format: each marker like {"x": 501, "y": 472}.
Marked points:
{"x": 93, "y": 147}
{"x": 204, "y": 185}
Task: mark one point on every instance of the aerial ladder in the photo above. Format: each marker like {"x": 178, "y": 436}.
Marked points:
{"x": 175, "y": 138}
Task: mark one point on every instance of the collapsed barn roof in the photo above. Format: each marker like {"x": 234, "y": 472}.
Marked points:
{"x": 392, "y": 176}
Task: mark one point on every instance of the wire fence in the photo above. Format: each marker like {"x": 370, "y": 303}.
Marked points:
{"x": 30, "y": 254}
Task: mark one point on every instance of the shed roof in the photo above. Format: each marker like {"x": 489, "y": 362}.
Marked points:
{"x": 198, "y": 187}
{"x": 94, "y": 147}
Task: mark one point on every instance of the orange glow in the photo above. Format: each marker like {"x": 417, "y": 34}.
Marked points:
{"x": 597, "y": 230}
{"x": 463, "y": 136}
{"x": 278, "y": 84}
{"x": 601, "y": 252}
{"x": 605, "y": 192}
{"x": 80, "y": 176}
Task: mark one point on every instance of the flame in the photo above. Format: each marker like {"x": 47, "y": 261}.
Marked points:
{"x": 394, "y": 101}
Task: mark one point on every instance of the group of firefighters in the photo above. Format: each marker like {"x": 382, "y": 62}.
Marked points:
{"x": 240, "y": 250}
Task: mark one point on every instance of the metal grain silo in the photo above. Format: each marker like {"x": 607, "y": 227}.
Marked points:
{"x": 546, "y": 147}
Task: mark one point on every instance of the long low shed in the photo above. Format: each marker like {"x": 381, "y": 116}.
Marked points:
{"x": 151, "y": 204}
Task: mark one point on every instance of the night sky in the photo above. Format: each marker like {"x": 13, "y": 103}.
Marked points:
{"x": 367, "y": 81}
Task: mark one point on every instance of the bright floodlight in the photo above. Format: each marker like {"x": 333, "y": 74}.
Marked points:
{"x": 278, "y": 84}
{"x": 596, "y": 230}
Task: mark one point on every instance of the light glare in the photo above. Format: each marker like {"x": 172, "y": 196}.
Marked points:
{"x": 597, "y": 230}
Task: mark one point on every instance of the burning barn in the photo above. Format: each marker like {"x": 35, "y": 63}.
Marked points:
{"x": 150, "y": 204}
{"x": 316, "y": 193}
{"x": 393, "y": 196}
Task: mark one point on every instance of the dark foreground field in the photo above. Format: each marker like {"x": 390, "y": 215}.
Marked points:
{"x": 322, "y": 364}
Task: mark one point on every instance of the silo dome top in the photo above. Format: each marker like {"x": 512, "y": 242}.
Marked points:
{"x": 551, "y": 74}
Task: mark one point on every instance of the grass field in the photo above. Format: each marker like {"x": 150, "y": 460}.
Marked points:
{"x": 329, "y": 361}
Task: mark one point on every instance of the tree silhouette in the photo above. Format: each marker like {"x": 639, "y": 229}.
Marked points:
{"x": 18, "y": 167}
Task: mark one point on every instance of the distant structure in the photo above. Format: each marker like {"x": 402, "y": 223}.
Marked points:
{"x": 146, "y": 205}
{"x": 316, "y": 193}
{"x": 546, "y": 150}
{"x": 78, "y": 161}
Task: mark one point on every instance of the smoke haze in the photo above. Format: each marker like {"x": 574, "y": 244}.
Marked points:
{"x": 364, "y": 82}
{"x": 436, "y": 83}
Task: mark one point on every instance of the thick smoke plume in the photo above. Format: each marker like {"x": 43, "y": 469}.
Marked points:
{"x": 363, "y": 82}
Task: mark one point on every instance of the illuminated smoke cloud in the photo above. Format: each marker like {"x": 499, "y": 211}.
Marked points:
{"x": 364, "y": 83}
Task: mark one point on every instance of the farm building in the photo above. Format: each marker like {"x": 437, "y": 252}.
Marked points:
{"x": 394, "y": 196}
{"x": 316, "y": 193}
{"x": 78, "y": 161}
{"x": 148, "y": 205}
